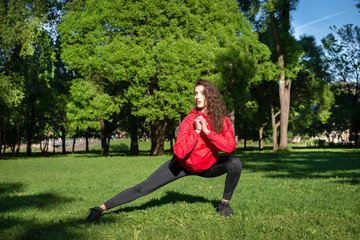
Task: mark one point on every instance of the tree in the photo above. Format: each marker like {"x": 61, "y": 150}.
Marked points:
{"x": 243, "y": 68}
{"x": 312, "y": 96}
{"x": 150, "y": 52}
{"x": 28, "y": 66}
{"x": 274, "y": 16}
{"x": 35, "y": 73}
{"x": 19, "y": 23}
{"x": 281, "y": 31}
{"x": 10, "y": 97}
{"x": 343, "y": 55}
{"x": 91, "y": 108}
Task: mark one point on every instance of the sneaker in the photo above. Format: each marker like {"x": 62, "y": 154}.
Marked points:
{"x": 95, "y": 214}
{"x": 225, "y": 209}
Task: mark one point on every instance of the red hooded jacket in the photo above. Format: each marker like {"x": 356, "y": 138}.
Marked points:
{"x": 198, "y": 152}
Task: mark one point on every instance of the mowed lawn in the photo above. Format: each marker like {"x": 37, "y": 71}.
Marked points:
{"x": 299, "y": 194}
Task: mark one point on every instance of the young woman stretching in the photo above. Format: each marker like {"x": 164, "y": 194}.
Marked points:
{"x": 204, "y": 132}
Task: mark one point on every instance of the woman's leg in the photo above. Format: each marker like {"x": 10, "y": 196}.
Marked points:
{"x": 167, "y": 173}
{"x": 232, "y": 166}
{"x": 226, "y": 164}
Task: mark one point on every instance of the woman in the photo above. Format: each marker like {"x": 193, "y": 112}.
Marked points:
{"x": 204, "y": 132}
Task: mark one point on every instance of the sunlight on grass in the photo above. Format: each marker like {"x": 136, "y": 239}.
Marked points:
{"x": 297, "y": 194}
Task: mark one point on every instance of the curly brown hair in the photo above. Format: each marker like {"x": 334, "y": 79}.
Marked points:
{"x": 215, "y": 106}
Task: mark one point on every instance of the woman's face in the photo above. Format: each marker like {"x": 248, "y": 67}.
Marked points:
{"x": 200, "y": 97}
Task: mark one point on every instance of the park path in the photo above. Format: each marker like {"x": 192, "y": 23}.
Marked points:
{"x": 78, "y": 146}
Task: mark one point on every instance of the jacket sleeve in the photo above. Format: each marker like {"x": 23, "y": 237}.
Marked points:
{"x": 224, "y": 140}
{"x": 186, "y": 139}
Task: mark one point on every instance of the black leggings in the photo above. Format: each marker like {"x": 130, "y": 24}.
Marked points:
{"x": 172, "y": 170}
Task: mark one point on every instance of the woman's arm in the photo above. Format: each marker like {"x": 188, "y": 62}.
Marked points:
{"x": 224, "y": 140}
{"x": 186, "y": 139}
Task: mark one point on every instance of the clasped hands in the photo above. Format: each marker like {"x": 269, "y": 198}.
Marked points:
{"x": 201, "y": 124}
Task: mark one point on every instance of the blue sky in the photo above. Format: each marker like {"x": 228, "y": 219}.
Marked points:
{"x": 314, "y": 17}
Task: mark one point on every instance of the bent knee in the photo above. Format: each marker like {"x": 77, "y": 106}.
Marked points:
{"x": 235, "y": 164}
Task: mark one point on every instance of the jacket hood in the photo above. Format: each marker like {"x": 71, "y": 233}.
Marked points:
{"x": 199, "y": 113}
{"x": 193, "y": 111}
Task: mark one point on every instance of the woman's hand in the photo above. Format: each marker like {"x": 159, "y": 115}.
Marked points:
{"x": 198, "y": 124}
{"x": 203, "y": 124}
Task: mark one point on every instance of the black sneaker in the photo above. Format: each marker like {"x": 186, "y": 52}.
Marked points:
{"x": 225, "y": 209}
{"x": 95, "y": 214}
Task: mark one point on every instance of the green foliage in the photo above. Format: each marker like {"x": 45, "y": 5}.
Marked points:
{"x": 28, "y": 79}
{"x": 343, "y": 56}
{"x": 149, "y": 51}
{"x": 89, "y": 105}
{"x": 343, "y": 52}
{"x": 10, "y": 94}
{"x": 24, "y": 57}
{"x": 19, "y": 22}
{"x": 312, "y": 96}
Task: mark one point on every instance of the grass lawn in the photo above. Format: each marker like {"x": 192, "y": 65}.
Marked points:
{"x": 299, "y": 194}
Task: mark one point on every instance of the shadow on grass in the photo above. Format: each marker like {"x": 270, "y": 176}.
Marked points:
{"x": 170, "y": 197}
{"x": 310, "y": 164}
{"x": 10, "y": 187}
{"x": 12, "y": 198}
{"x": 18, "y": 228}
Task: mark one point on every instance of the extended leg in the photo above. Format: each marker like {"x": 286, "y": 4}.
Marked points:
{"x": 167, "y": 173}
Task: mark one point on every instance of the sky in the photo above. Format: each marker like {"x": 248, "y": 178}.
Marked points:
{"x": 314, "y": 17}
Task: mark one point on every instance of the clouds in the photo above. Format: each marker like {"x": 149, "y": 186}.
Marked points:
{"x": 322, "y": 19}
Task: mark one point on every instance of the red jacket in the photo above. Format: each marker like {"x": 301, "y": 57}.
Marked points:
{"x": 198, "y": 152}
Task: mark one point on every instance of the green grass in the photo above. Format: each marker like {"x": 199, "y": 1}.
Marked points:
{"x": 299, "y": 194}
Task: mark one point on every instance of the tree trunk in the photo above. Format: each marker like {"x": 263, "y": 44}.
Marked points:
{"x": 17, "y": 151}
{"x": 261, "y": 130}
{"x": 284, "y": 91}
{"x": 232, "y": 120}
{"x": 158, "y": 128}
{"x": 54, "y": 144}
{"x": 171, "y": 144}
{"x": 87, "y": 141}
{"x": 63, "y": 140}
{"x": 73, "y": 145}
{"x": 134, "y": 146}
{"x": 103, "y": 138}
{"x": 30, "y": 128}
{"x": 1, "y": 130}
{"x": 284, "y": 86}
{"x": 275, "y": 126}
{"x": 18, "y": 139}
{"x": 44, "y": 147}
{"x": 245, "y": 134}
{"x": 28, "y": 142}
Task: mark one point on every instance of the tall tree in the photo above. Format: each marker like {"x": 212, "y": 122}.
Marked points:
{"x": 343, "y": 55}
{"x": 91, "y": 108}
{"x": 27, "y": 61}
{"x": 150, "y": 52}
{"x": 19, "y": 23}
{"x": 272, "y": 20}
{"x": 243, "y": 68}
{"x": 281, "y": 30}
{"x": 312, "y": 96}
